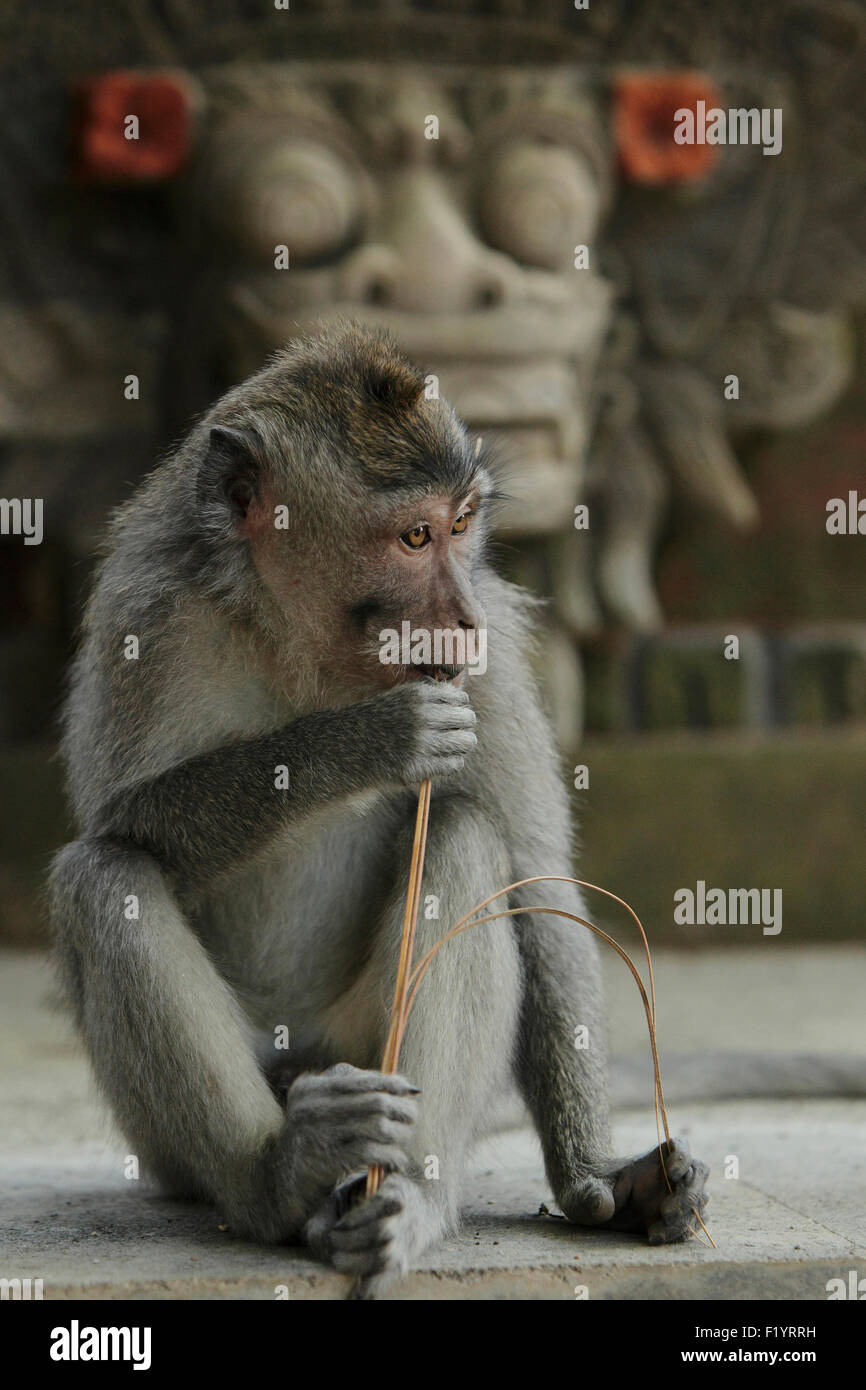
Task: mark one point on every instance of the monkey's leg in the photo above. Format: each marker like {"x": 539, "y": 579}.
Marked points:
{"x": 562, "y": 1070}
{"x": 164, "y": 1033}
{"x": 174, "y": 1056}
{"x": 458, "y": 1047}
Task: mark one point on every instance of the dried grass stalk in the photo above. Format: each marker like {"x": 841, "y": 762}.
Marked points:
{"x": 409, "y": 978}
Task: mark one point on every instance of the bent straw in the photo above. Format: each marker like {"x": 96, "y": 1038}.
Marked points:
{"x": 407, "y": 985}
{"x": 399, "y": 1011}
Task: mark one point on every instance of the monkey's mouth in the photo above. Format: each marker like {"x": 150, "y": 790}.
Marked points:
{"x": 436, "y": 673}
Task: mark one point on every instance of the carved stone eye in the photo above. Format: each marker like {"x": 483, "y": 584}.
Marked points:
{"x": 538, "y": 202}
{"x": 299, "y": 194}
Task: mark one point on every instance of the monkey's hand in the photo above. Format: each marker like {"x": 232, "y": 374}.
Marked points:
{"x": 373, "y": 1238}
{"x": 337, "y": 1122}
{"x": 632, "y": 1195}
{"x": 429, "y": 727}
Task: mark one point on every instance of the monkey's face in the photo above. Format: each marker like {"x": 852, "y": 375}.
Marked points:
{"x": 416, "y": 611}
{"x": 366, "y": 518}
{"x": 386, "y": 593}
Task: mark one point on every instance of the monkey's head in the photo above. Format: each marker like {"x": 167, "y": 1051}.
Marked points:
{"x": 355, "y": 506}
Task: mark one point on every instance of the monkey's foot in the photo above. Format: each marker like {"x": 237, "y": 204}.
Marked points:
{"x": 632, "y": 1194}
{"x": 372, "y": 1238}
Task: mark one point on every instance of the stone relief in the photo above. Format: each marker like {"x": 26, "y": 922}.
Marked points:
{"x": 599, "y": 383}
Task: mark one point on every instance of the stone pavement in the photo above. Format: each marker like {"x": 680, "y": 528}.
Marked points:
{"x": 794, "y": 1218}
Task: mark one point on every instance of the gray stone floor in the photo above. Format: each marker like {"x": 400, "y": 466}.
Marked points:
{"x": 794, "y": 1218}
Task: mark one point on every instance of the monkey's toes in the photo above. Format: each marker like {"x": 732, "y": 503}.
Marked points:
{"x": 590, "y": 1202}
{"x": 679, "y": 1210}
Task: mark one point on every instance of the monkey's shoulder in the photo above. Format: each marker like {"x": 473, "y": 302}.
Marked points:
{"x": 153, "y": 689}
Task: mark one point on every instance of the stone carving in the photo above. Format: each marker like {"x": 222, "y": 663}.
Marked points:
{"x": 308, "y": 129}
{"x": 445, "y": 210}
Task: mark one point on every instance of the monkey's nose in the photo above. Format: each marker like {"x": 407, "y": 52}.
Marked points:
{"x": 446, "y": 673}
{"x": 471, "y": 619}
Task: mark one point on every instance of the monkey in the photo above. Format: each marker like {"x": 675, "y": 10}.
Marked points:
{"x": 244, "y": 766}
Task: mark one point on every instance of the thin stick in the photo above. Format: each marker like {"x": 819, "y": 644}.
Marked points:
{"x": 406, "y": 986}
{"x": 375, "y": 1174}
{"x": 426, "y": 960}
{"x": 648, "y": 1000}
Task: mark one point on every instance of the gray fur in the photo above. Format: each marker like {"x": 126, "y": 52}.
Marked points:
{"x": 262, "y": 907}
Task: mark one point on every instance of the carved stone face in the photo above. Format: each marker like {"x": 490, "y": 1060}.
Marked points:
{"x": 446, "y": 206}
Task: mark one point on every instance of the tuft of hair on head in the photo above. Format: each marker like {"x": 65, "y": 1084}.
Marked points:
{"x": 373, "y": 362}
{"x": 348, "y": 357}
{"x": 391, "y": 381}
{"x": 365, "y": 409}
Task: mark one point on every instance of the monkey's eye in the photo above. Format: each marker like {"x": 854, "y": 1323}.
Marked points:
{"x": 418, "y": 537}
{"x": 461, "y": 524}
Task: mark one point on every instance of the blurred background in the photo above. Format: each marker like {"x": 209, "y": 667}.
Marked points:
{"x": 663, "y": 342}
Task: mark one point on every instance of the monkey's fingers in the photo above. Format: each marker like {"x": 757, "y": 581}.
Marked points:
{"x": 346, "y": 1078}
{"x": 356, "y": 1108}
{"x": 450, "y": 716}
{"x": 443, "y": 692}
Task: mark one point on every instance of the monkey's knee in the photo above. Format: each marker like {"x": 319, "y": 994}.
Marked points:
{"x": 95, "y": 880}
{"x": 99, "y": 892}
{"x": 72, "y": 894}
{"x": 71, "y": 869}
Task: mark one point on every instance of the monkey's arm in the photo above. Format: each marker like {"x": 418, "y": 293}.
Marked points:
{"x": 205, "y": 816}
{"x": 561, "y": 1055}
{"x": 172, "y": 1051}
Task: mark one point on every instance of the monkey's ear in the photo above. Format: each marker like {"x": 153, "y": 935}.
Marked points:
{"x": 230, "y": 473}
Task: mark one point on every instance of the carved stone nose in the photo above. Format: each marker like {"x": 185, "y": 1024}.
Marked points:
{"x": 425, "y": 257}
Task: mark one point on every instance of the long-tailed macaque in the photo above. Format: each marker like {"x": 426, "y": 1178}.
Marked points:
{"x": 244, "y": 771}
